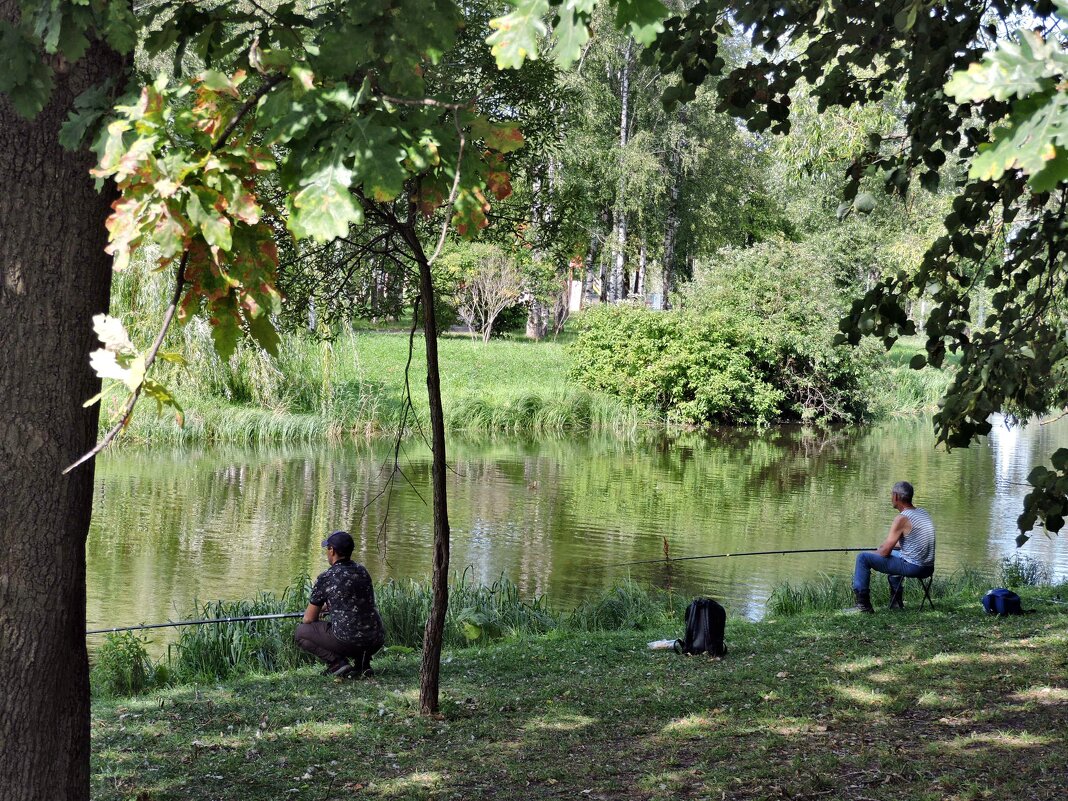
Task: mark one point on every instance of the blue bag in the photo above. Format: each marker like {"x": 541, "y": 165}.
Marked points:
{"x": 1000, "y": 601}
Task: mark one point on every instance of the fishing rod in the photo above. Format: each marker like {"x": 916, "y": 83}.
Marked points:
{"x": 278, "y": 616}
{"x": 670, "y": 559}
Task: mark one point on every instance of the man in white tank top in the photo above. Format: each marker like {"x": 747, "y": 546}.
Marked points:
{"x": 912, "y": 535}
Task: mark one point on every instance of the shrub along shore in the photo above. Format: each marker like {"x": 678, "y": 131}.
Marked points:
{"x": 809, "y": 703}
{"x": 354, "y": 388}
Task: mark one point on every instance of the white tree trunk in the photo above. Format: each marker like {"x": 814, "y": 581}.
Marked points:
{"x": 619, "y": 238}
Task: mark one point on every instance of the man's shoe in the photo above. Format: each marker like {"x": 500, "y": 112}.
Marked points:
{"x": 863, "y": 601}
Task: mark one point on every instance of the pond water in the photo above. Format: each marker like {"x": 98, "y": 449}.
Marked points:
{"x": 553, "y": 515}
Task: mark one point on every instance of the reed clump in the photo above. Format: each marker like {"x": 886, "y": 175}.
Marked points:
{"x": 477, "y": 614}
{"x": 834, "y": 593}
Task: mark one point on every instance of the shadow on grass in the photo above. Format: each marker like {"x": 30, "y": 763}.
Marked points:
{"x": 943, "y": 705}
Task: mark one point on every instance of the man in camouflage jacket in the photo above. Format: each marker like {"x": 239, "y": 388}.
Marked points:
{"x": 355, "y": 628}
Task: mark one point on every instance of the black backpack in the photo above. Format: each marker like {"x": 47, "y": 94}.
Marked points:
{"x": 705, "y": 621}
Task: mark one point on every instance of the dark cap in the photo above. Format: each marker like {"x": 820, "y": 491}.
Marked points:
{"x": 341, "y": 542}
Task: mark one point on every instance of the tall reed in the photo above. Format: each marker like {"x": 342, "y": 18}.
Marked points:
{"x": 834, "y": 593}
{"x": 477, "y": 614}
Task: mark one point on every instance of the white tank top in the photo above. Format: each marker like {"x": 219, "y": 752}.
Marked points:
{"x": 918, "y": 546}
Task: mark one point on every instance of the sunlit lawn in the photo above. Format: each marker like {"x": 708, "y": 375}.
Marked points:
{"x": 949, "y": 704}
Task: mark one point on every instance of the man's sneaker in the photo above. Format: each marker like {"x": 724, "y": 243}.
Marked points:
{"x": 339, "y": 670}
{"x": 863, "y": 601}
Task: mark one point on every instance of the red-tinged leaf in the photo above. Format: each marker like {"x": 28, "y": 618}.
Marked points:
{"x": 240, "y": 201}
{"x": 500, "y": 184}
{"x": 469, "y": 212}
{"x": 165, "y": 187}
{"x": 428, "y": 199}
{"x": 131, "y": 161}
{"x": 170, "y": 232}
{"x": 124, "y": 230}
{"x": 260, "y": 158}
{"x": 114, "y": 148}
{"x": 303, "y": 77}
{"x": 204, "y": 208}
{"x": 219, "y": 82}
{"x": 503, "y": 137}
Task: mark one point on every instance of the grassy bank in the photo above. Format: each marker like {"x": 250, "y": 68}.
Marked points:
{"x": 943, "y": 704}
{"x": 911, "y": 391}
{"x": 477, "y": 615}
{"x": 354, "y": 387}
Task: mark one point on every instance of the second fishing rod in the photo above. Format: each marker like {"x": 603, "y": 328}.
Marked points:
{"x": 668, "y": 559}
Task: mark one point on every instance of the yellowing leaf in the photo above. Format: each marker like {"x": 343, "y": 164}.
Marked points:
{"x": 516, "y": 34}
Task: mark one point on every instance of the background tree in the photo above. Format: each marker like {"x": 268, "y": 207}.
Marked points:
{"x": 487, "y": 281}
{"x": 1000, "y": 114}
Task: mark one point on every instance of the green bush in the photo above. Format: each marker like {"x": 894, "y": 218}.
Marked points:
{"x": 751, "y": 343}
{"x": 691, "y": 369}
{"x": 121, "y": 666}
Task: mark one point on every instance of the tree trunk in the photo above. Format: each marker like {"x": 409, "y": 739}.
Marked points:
{"x": 619, "y": 238}
{"x": 54, "y": 276}
{"x": 430, "y": 671}
{"x": 671, "y": 233}
{"x": 592, "y": 258}
{"x": 536, "y": 320}
{"x": 639, "y": 276}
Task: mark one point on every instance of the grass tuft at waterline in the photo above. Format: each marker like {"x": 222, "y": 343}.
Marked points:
{"x": 477, "y": 614}
{"x": 943, "y": 704}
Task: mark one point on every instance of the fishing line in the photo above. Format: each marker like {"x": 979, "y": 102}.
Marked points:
{"x": 197, "y": 622}
{"x": 669, "y": 560}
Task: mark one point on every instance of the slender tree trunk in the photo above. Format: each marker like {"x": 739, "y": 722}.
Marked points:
{"x": 430, "y": 670}
{"x": 639, "y": 276}
{"x": 592, "y": 258}
{"x": 536, "y": 320}
{"x": 54, "y": 276}
{"x": 619, "y": 238}
{"x": 671, "y": 232}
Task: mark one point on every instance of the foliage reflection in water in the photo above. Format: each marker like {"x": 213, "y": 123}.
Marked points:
{"x": 172, "y": 526}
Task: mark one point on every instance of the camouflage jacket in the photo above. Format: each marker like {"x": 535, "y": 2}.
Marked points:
{"x": 347, "y": 588}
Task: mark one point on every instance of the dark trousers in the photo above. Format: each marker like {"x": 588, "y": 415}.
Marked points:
{"x": 317, "y": 639}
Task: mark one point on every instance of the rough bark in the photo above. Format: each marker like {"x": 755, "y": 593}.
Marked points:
{"x": 537, "y": 320}
{"x": 54, "y": 276}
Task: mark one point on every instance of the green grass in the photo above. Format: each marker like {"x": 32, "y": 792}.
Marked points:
{"x": 477, "y": 614}
{"x": 945, "y": 704}
{"x": 909, "y": 391}
{"x": 354, "y": 387}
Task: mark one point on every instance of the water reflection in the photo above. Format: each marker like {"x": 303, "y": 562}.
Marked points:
{"x": 171, "y": 526}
